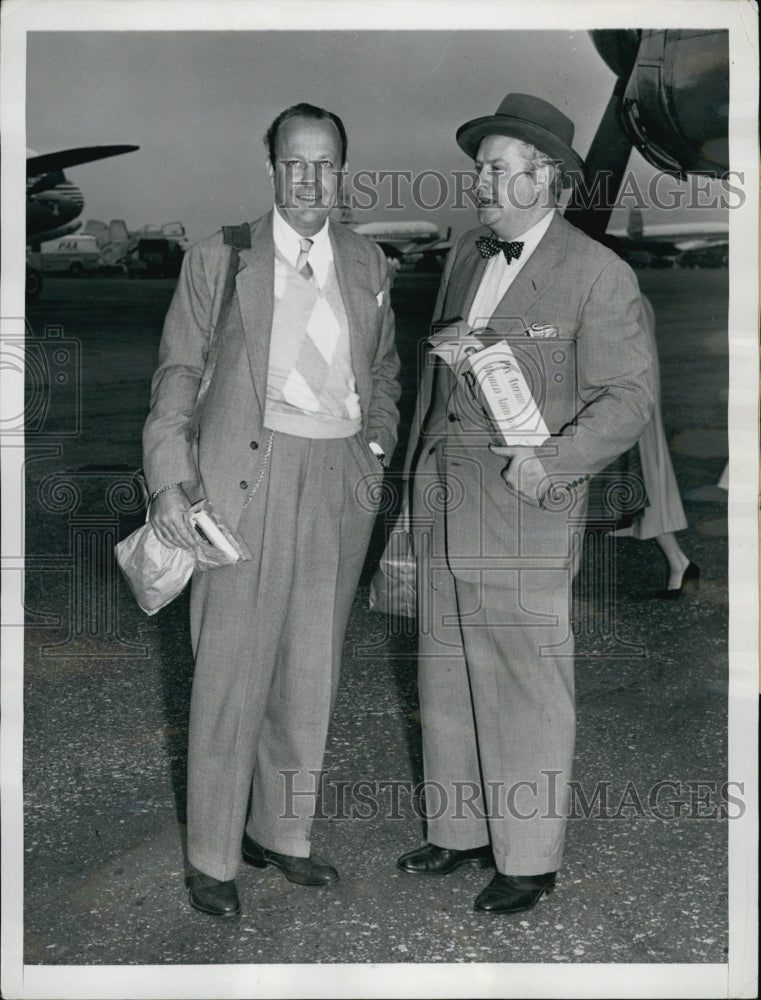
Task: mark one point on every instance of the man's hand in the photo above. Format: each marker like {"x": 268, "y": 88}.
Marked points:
{"x": 167, "y": 514}
{"x": 524, "y": 473}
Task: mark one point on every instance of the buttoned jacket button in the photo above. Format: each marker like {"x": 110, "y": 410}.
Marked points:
{"x": 254, "y": 445}
{"x": 243, "y": 484}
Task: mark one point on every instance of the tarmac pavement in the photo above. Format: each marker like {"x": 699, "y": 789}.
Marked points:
{"x": 107, "y": 689}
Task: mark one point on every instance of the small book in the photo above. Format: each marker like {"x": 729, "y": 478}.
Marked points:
{"x": 217, "y": 546}
{"x": 211, "y": 534}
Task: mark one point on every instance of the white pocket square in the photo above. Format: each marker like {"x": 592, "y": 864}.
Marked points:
{"x": 543, "y": 330}
{"x": 379, "y": 297}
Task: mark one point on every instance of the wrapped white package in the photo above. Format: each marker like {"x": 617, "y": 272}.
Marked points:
{"x": 155, "y": 573}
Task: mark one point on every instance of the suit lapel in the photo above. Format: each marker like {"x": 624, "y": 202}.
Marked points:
{"x": 351, "y": 274}
{"x": 536, "y": 276}
{"x": 254, "y": 284}
{"x": 463, "y": 283}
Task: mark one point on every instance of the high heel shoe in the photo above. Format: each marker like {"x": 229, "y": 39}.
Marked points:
{"x": 692, "y": 574}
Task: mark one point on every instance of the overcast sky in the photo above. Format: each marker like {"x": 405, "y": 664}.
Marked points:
{"x": 197, "y": 104}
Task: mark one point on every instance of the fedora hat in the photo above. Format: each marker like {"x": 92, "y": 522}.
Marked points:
{"x": 530, "y": 119}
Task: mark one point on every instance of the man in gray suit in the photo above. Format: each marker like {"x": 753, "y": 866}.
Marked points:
{"x": 295, "y": 428}
{"x": 497, "y": 528}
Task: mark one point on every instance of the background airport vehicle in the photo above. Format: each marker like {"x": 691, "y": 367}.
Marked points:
{"x": 72, "y": 255}
{"x": 154, "y": 258}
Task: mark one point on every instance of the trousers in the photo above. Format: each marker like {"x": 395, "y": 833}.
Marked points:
{"x": 267, "y": 637}
{"x": 496, "y": 686}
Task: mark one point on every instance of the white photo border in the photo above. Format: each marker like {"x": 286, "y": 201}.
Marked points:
{"x": 736, "y": 978}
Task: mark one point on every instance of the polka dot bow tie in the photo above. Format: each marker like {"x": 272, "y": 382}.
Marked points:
{"x": 488, "y": 247}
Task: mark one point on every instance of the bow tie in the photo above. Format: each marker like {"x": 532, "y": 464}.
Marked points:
{"x": 488, "y": 247}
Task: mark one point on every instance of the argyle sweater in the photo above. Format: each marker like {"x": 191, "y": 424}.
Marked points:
{"x": 311, "y": 390}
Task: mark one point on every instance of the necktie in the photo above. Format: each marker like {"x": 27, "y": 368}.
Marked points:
{"x": 302, "y": 264}
{"x": 488, "y": 247}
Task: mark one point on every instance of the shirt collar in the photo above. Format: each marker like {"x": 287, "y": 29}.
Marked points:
{"x": 532, "y": 236}
{"x": 288, "y": 241}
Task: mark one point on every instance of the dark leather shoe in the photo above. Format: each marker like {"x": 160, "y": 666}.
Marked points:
{"x": 514, "y": 893}
{"x": 302, "y": 871}
{"x": 690, "y": 580}
{"x": 209, "y": 895}
{"x": 433, "y": 860}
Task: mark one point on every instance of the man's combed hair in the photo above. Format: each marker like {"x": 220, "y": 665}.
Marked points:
{"x": 303, "y": 110}
{"x": 535, "y": 159}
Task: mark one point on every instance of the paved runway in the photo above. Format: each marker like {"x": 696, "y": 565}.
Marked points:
{"x": 106, "y": 700}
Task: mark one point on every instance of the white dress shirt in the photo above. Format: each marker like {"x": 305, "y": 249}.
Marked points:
{"x": 500, "y": 274}
{"x": 288, "y": 242}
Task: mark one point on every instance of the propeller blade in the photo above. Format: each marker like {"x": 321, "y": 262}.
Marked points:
{"x": 45, "y": 162}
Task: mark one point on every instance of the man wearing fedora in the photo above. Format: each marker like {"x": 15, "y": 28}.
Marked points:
{"x": 497, "y": 529}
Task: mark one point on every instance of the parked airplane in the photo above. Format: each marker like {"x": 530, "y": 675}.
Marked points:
{"x": 662, "y": 245}
{"x": 413, "y": 243}
{"x": 53, "y": 203}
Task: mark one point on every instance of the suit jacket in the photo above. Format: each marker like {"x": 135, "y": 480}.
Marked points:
{"x": 592, "y": 297}
{"x": 223, "y": 463}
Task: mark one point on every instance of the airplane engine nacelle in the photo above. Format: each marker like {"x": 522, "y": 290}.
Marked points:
{"x": 670, "y": 100}
{"x": 675, "y": 108}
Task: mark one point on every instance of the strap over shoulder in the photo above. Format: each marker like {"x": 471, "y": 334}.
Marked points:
{"x": 237, "y": 237}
